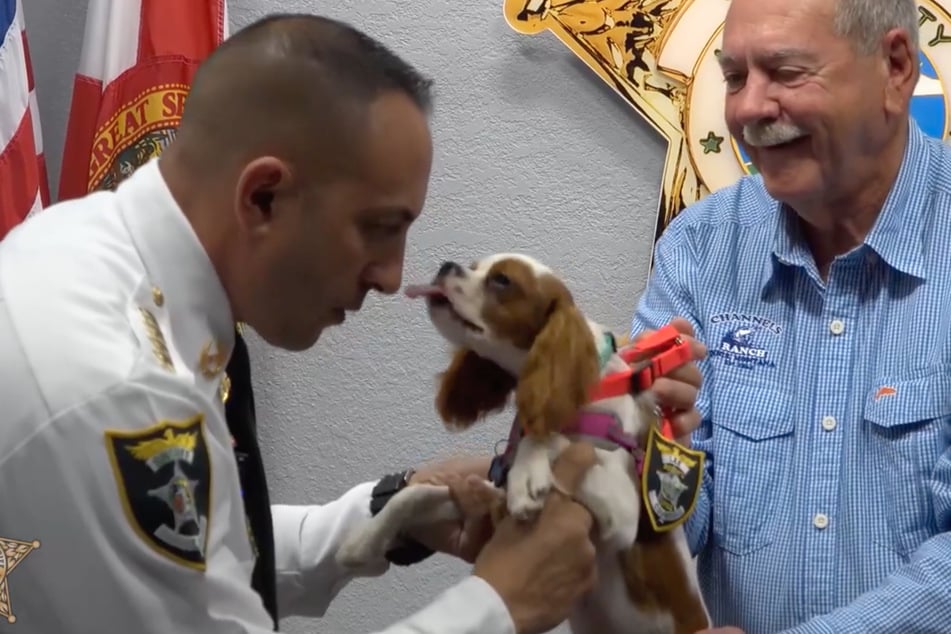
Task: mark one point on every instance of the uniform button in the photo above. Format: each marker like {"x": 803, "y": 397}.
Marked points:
{"x": 820, "y": 521}
{"x": 828, "y": 423}
{"x": 837, "y": 327}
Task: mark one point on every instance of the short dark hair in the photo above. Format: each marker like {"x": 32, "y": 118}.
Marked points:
{"x": 352, "y": 61}
{"x": 297, "y": 85}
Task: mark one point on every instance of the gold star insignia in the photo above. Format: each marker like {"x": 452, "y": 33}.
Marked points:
{"x": 212, "y": 359}
{"x": 12, "y": 553}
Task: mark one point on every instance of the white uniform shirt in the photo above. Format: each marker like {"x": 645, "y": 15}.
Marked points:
{"x": 120, "y": 505}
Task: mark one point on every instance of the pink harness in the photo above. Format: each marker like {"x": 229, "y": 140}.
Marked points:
{"x": 603, "y": 425}
{"x": 665, "y": 350}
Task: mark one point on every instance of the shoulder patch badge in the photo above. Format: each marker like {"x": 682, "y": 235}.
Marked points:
{"x": 670, "y": 483}
{"x": 163, "y": 474}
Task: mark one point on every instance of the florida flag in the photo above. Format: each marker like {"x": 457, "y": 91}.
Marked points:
{"x": 23, "y": 184}
{"x": 135, "y": 69}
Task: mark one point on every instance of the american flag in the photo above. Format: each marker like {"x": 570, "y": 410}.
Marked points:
{"x": 24, "y": 187}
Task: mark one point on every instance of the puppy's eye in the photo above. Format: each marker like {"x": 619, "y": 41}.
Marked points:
{"x": 499, "y": 280}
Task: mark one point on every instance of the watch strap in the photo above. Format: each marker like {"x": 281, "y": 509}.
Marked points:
{"x": 409, "y": 551}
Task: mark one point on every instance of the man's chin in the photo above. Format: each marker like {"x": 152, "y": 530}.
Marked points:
{"x": 294, "y": 342}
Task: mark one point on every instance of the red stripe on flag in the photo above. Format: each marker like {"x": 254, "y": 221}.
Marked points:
{"x": 44, "y": 180}
{"x": 147, "y": 97}
{"x": 29, "y": 63}
{"x": 80, "y": 131}
{"x": 19, "y": 169}
{"x": 181, "y": 28}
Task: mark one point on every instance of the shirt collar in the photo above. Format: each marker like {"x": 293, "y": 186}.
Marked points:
{"x": 183, "y": 279}
{"x": 896, "y": 236}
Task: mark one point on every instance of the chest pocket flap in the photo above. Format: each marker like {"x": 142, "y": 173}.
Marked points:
{"x": 907, "y": 432}
{"x": 913, "y": 398}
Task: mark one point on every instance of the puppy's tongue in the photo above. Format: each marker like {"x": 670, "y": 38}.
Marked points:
{"x": 414, "y": 291}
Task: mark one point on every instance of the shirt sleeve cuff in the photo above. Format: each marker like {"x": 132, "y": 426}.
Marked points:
{"x": 471, "y": 606}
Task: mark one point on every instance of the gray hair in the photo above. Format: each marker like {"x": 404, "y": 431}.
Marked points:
{"x": 867, "y": 21}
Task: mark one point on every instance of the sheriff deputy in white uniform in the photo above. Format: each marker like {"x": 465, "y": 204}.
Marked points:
{"x": 301, "y": 161}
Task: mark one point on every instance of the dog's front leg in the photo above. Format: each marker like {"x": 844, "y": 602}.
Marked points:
{"x": 530, "y": 477}
{"x": 416, "y": 505}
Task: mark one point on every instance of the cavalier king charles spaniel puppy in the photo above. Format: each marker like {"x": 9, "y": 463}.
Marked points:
{"x": 516, "y": 331}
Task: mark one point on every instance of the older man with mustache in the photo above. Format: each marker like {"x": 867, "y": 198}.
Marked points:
{"x": 821, "y": 289}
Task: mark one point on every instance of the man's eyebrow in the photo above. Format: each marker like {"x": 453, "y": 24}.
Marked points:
{"x": 724, "y": 59}
{"x": 771, "y": 58}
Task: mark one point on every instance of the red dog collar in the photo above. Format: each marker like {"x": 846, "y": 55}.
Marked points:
{"x": 666, "y": 350}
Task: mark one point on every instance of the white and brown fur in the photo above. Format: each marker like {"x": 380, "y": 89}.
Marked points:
{"x": 516, "y": 328}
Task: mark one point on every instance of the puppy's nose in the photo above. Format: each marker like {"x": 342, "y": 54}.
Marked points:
{"x": 448, "y": 268}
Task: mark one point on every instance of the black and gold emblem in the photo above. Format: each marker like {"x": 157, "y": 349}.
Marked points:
{"x": 670, "y": 482}
{"x": 163, "y": 475}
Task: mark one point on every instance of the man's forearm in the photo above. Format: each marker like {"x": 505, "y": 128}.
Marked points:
{"x": 915, "y": 598}
{"x": 306, "y": 539}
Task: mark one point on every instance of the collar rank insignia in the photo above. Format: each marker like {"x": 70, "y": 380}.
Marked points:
{"x": 670, "y": 484}
{"x": 163, "y": 474}
{"x": 212, "y": 359}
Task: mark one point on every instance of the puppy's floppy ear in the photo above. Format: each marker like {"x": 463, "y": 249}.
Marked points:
{"x": 471, "y": 388}
{"x": 561, "y": 368}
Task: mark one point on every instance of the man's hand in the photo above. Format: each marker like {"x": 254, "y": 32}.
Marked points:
{"x": 540, "y": 569}
{"x": 465, "y": 477}
{"x": 678, "y": 390}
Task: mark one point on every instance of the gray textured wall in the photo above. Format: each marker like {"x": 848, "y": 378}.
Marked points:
{"x": 532, "y": 152}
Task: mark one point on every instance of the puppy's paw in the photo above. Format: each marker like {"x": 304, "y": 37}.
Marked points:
{"x": 521, "y": 504}
{"x": 528, "y": 487}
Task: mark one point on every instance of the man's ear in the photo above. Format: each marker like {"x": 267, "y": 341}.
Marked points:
{"x": 903, "y": 69}
{"x": 261, "y": 181}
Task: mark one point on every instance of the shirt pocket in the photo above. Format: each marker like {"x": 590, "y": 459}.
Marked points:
{"x": 752, "y": 449}
{"x": 906, "y": 421}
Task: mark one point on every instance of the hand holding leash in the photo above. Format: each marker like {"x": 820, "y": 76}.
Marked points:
{"x": 677, "y": 390}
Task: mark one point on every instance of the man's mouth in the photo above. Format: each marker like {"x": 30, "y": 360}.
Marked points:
{"x": 435, "y": 295}
{"x": 785, "y": 144}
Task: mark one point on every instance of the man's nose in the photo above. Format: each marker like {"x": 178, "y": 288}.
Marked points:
{"x": 449, "y": 268}
{"x": 754, "y": 102}
{"x": 386, "y": 278}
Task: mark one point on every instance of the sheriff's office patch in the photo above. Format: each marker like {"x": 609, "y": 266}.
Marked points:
{"x": 163, "y": 474}
{"x": 670, "y": 483}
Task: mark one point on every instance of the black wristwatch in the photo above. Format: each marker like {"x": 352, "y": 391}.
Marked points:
{"x": 409, "y": 551}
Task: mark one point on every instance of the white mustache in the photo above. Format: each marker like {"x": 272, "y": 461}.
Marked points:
{"x": 772, "y": 133}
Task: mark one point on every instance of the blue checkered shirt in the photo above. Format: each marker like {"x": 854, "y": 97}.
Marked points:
{"x": 826, "y": 501}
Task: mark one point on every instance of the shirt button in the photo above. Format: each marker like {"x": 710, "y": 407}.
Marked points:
{"x": 828, "y": 423}
{"x": 820, "y": 521}
{"x": 837, "y": 327}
